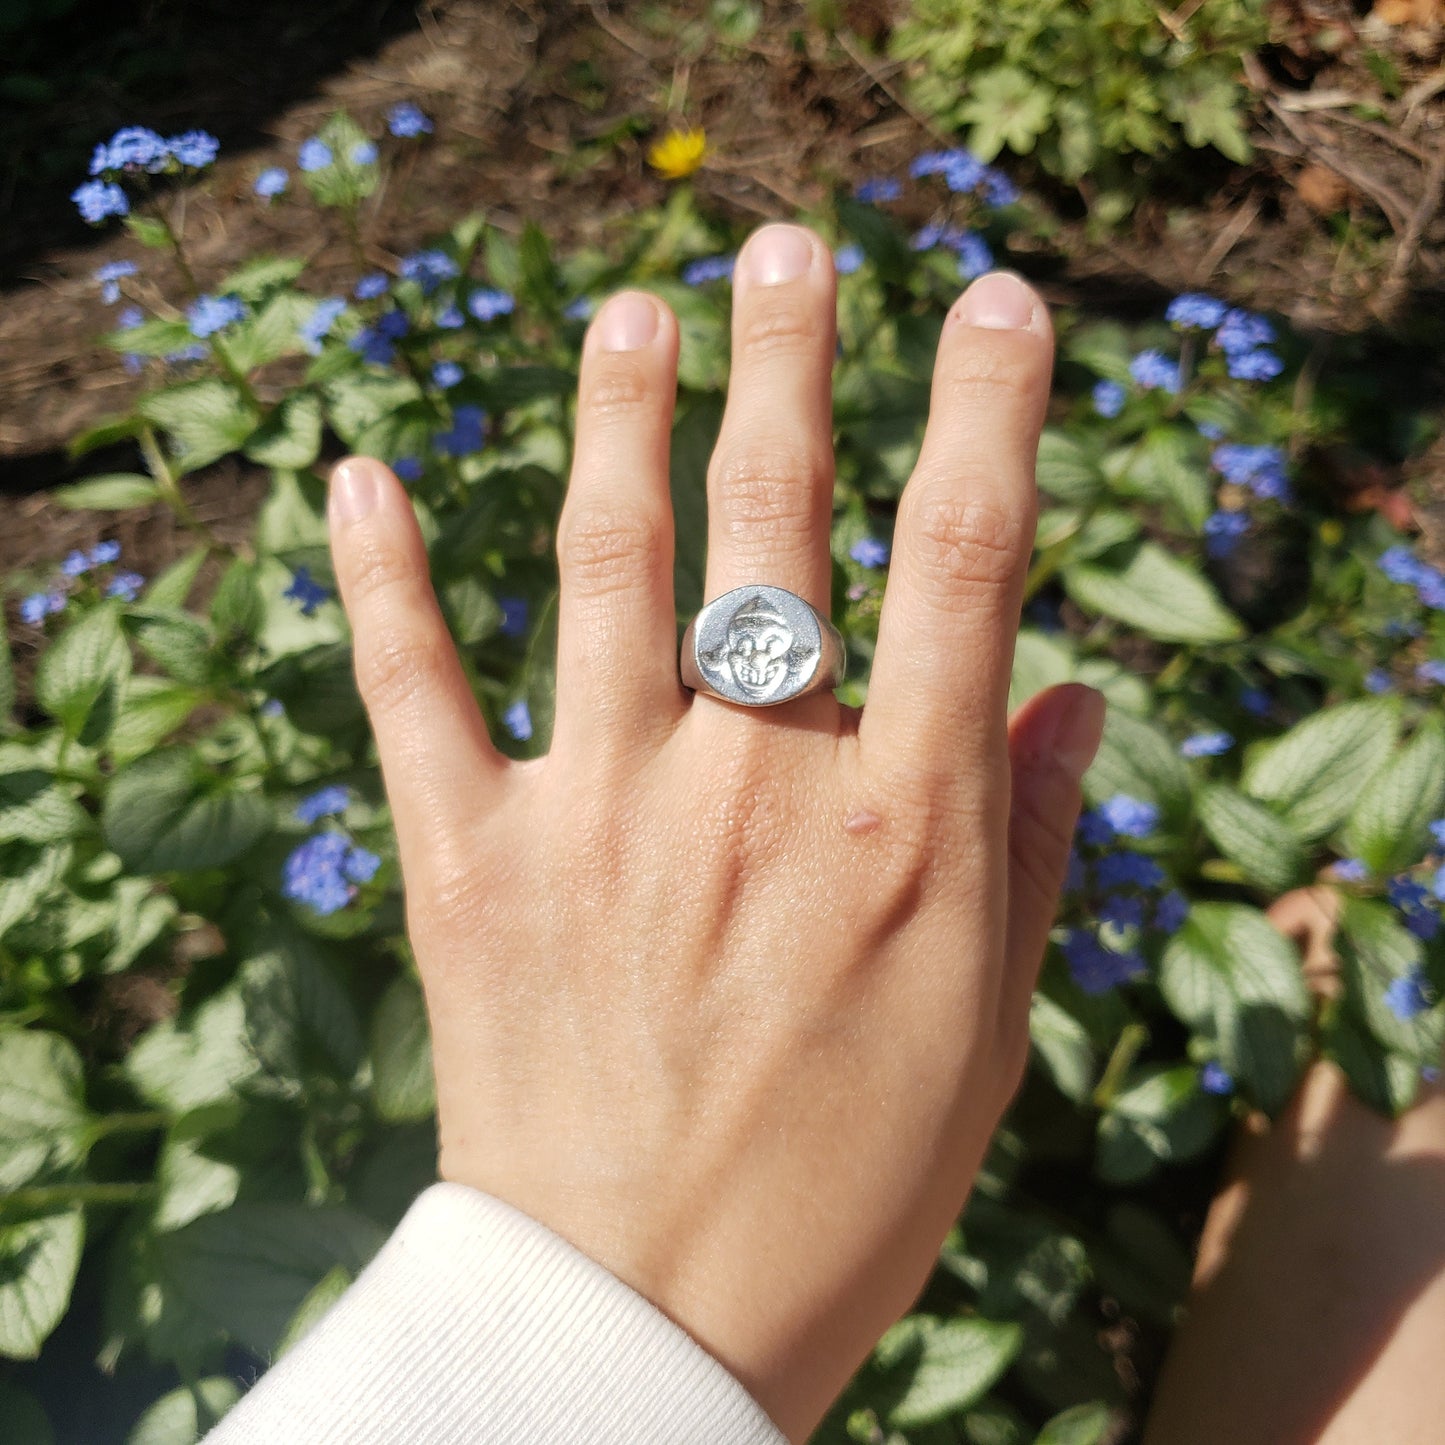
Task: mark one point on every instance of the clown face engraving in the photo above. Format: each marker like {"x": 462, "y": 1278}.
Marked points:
{"x": 755, "y": 645}
{"x": 758, "y": 645}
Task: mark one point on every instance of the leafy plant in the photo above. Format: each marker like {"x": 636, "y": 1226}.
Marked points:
{"x": 1087, "y": 88}
{"x": 215, "y": 1081}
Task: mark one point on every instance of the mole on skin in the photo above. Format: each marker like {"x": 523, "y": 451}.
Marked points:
{"x": 863, "y": 821}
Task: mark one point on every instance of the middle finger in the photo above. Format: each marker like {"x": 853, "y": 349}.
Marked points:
{"x": 770, "y": 482}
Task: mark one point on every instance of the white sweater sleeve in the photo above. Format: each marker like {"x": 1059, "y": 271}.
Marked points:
{"x": 477, "y": 1325}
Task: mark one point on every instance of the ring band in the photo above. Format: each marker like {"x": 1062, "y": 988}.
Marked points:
{"x": 759, "y": 646}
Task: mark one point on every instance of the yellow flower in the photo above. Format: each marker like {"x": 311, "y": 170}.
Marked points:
{"x": 679, "y": 153}
{"x": 1331, "y": 533}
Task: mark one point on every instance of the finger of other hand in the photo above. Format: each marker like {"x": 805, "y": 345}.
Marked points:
{"x": 1052, "y": 740}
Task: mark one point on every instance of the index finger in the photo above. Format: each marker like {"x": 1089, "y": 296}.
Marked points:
{"x": 939, "y": 691}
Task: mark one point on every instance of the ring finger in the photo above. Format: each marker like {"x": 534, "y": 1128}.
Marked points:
{"x": 770, "y": 482}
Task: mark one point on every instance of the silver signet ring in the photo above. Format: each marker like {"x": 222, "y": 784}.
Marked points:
{"x": 759, "y": 646}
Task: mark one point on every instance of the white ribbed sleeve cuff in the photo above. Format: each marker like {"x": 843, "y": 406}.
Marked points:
{"x": 476, "y": 1325}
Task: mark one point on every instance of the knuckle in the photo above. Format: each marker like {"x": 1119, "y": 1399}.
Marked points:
{"x": 1001, "y": 365}
{"x": 778, "y": 328}
{"x": 602, "y": 546}
{"x": 401, "y": 667}
{"x": 378, "y": 569}
{"x": 968, "y": 545}
{"x": 768, "y": 492}
{"x": 620, "y": 387}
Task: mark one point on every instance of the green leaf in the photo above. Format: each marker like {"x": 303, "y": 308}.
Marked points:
{"x": 179, "y": 643}
{"x": 538, "y": 282}
{"x": 332, "y": 1285}
{"x": 169, "y": 813}
{"x": 944, "y": 1365}
{"x": 190, "y": 1181}
{"x": 693, "y": 439}
{"x": 1247, "y": 833}
{"x": 205, "y": 419}
{"x": 354, "y": 404}
{"x": 148, "y": 231}
{"x": 250, "y": 1268}
{"x": 293, "y": 514}
{"x": 1039, "y": 661}
{"x": 291, "y": 436}
{"x": 7, "y": 683}
{"x": 703, "y": 328}
{"x": 1090, "y": 1424}
{"x": 153, "y": 337}
{"x": 300, "y": 1017}
{"x": 34, "y": 808}
{"x": 509, "y": 386}
{"x": 25, "y": 1422}
{"x": 270, "y": 332}
{"x": 1375, "y": 949}
{"x": 23, "y": 892}
{"x": 1235, "y": 980}
{"x": 1063, "y": 1044}
{"x": 1389, "y": 826}
{"x": 79, "y": 665}
{"x": 1162, "y": 468}
{"x": 200, "y": 1057}
{"x": 151, "y": 711}
{"x": 112, "y": 492}
{"x": 1104, "y": 347}
{"x": 1386, "y": 1081}
{"x": 1138, "y": 759}
{"x": 44, "y": 1124}
{"x": 1006, "y": 107}
{"x": 259, "y": 275}
{"x": 878, "y": 236}
{"x": 237, "y": 609}
{"x": 185, "y": 1414}
{"x": 1153, "y": 591}
{"x": 401, "y": 1061}
{"x": 171, "y": 587}
{"x": 1315, "y": 773}
{"x": 1066, "y": 470}
{"x": 38, "y": 1261}
{"x": 1161, "y": 1117}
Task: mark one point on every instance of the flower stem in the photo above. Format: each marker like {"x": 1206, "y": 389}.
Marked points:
{"x": 60, "y": 1196}
{"x": 1131, "y": 1039}
{"x": 140, "y": 1122}
{"x": 170, "y": 490}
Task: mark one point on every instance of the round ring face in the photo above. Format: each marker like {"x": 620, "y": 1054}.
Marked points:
{"x": 757, "y": 645}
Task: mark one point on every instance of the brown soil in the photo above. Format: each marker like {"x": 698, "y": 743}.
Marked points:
{"x": 543, "y": 110}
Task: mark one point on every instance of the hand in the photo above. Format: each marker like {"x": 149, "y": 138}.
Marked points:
{"x": 732, "y": 998}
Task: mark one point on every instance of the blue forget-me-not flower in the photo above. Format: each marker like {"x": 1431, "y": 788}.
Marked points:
{"x": 210, "y": 314}
{"x": 305, "y": 591}
{"x": 405, "y": 120}
{"x": 1108, "y": 398}
{"x": 518, "y": 720}
{"x": 323, "y": 803}
{"x": 272, "y": 182}
{"x": 314, "y": 154}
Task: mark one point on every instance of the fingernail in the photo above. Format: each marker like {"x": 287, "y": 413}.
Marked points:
{"x": 777, "y": 254}
{"x": 1078, "y": 729}
{"x": 999, "y": 301}
{"x": 627, "y": 323}
{"x": 355, "y": 491}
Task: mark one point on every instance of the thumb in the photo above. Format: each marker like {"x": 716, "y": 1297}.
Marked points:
{"x": 1052, "y": 740}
